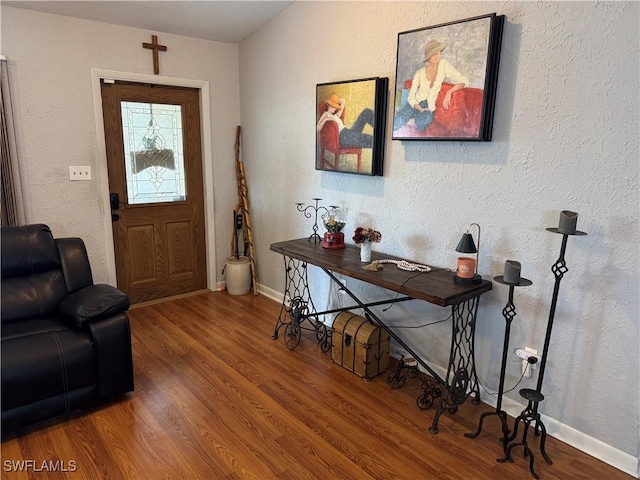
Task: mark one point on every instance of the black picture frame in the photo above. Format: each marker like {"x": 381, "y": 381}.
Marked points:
{"x": 469, "y": 54}
{"x": 351, "y": 119}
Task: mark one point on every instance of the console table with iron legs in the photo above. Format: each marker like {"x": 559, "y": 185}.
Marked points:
{"x": 436, "y": 287}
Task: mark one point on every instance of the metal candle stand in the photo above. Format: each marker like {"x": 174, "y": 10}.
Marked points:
{"x": 307, "y": 213}
{"x": 534, "y": 397}
{"x": 509, "y": 313}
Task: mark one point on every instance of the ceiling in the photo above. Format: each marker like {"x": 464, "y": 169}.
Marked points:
{"x": 223, "y": 21}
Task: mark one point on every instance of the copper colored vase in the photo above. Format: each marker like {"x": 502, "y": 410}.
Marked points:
{"x": 466, "y": 267}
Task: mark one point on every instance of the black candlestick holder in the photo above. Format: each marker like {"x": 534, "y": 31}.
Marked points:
{"x": 509, "y": 313}
{"x": 315, "y": 238}
{"x": 530, "y": 414}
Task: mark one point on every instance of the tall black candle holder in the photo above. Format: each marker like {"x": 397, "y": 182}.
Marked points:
{"x": 509, "y": 313}
{"x": 534, "y": 397}
{"x": 315, "y": 238}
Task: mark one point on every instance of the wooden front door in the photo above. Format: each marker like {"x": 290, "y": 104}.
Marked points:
{"x": 154, "y": 158}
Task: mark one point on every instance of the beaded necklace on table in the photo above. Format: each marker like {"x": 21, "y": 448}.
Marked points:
{"x": 404, "y": 265}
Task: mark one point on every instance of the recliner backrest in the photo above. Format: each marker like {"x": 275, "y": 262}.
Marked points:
{"x": 32, "y": 280}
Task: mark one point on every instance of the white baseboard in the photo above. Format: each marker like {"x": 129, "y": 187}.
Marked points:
{"x": 266, "y": 291}
{"x": 616, "y": 458}
{"x": 270, "y": 293}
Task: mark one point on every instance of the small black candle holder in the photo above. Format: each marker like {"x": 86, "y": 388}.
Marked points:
{"x": 315, "y": 238}
{"x": 509, "y": 313}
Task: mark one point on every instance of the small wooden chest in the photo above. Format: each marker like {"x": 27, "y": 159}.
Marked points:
{"x": 359, "y": 345}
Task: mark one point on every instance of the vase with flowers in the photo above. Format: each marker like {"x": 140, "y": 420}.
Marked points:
{"x": 333, "y": 220}
{"x": 364, "y": 237}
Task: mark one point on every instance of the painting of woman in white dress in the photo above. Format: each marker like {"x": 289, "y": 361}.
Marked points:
{"x": 445, "y": 80}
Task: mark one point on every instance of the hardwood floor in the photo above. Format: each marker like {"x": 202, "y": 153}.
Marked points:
{"x": 217, "y": 398}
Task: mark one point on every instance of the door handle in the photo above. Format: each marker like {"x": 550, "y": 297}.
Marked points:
{"x": 114, "y": 199}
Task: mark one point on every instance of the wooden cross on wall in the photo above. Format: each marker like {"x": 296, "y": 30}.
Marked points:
{"x": 156, "y": 48}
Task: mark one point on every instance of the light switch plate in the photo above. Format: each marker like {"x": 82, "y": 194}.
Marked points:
{"x": 80, "y": 172}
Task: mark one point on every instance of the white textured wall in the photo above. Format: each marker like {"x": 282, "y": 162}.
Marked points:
{"x": 565, "y": 137}
{"x": 50, "y": 59}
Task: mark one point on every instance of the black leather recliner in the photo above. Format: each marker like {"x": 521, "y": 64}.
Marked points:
{"x": 66, "y": 343}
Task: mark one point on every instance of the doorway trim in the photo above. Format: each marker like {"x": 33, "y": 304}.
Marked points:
{"x": 207, "y": 159}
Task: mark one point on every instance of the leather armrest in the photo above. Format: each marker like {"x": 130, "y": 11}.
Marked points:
{"x": 92, "y": 303}
{"x": 75, "y": 263}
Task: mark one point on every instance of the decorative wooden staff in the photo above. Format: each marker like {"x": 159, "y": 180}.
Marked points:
{"x": 243, "y": 193}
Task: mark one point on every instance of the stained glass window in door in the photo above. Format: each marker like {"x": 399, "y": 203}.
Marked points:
{"x": 153, "y": 152}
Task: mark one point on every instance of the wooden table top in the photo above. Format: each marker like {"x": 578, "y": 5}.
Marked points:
{"x": 436, "y": 286}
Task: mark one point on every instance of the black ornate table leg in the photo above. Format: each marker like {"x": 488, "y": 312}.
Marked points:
{"x": 297, "y": 306}
{"x": 461, "y": 380}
